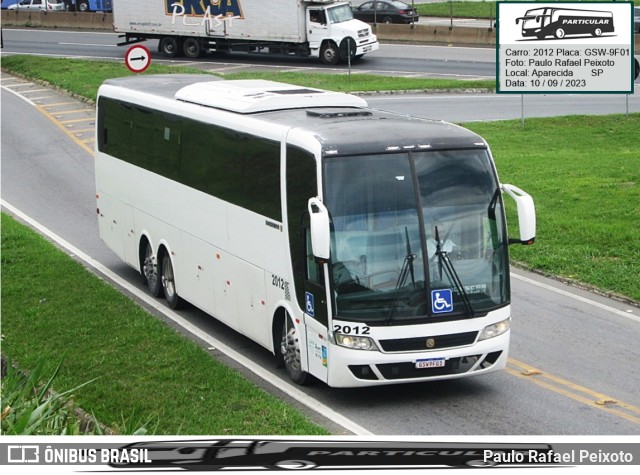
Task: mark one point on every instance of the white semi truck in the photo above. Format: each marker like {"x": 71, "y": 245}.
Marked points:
{"x": 322, "y": 29}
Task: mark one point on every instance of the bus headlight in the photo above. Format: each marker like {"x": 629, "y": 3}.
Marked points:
{"x": 495, "y": 330}
{"x": 354, "y": 342}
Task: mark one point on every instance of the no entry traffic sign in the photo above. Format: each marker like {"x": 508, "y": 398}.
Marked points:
{"x": 138, "y": 58}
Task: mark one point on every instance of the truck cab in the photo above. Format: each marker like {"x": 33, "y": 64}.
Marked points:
{"x": 334, "y": 35}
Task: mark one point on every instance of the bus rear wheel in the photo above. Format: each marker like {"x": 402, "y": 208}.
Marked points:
{"x": 168, "y": 280}
{"x": 597, "y": 32}
{"x": 149, "y": 269}
{"x": 290, "y": 349}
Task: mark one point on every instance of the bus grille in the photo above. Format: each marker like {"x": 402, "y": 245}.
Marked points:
{"x": 420, "y": 343}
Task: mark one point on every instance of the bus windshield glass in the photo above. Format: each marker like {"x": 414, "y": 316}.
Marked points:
{"x": 395, "y": 225}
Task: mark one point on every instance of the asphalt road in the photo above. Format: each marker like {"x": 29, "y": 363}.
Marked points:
{"x": 584, "y": 345}
{"x": 434, "y": 61}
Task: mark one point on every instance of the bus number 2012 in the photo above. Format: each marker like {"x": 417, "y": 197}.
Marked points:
{"x": 349, "y": 330}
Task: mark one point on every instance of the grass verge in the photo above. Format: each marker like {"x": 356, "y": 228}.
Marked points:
{"x": 138, "y": 367}
{"x": 466, "y": 9}
{"x": 584, "y": 175}
{"x": 83, "y": 77}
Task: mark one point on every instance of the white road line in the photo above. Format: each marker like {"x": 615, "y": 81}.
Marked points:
{"x": 283, "y": 386}
{"x": 566, "y": 293}
{"x": 17, "y": 94}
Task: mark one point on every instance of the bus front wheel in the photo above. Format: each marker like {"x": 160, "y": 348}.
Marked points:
{"x": 559, "y": 33}
{"x": 290, "y": 349}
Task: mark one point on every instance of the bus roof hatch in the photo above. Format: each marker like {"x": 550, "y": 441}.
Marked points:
{"x": 250, "y": 96}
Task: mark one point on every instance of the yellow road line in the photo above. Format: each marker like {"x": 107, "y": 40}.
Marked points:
{"x": 57, "y": 104}
{"x": 61, "y": 126}
{"x": 574, "y": 391}
{"x": 63, "y": 112}
{"x": 73, "y": 121}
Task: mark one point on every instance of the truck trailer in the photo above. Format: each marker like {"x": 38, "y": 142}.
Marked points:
{"x": 323, "y": 29}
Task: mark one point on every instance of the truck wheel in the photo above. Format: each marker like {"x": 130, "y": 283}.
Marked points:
{"x": 191, "y": 48}
{"x": 559, "y": 33}
{"x": 83, "y": 7}
{"x": 290, "y": 349}
{"x": 347, "y": 46}
{"x": 170, "y": 46}
{"x": 329, "y": 53}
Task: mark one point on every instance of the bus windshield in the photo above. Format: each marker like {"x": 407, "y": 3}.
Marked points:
{"x": 399, "y": 220}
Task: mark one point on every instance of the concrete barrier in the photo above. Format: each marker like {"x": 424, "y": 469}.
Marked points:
{"x": 58, "y": 20}
{"x": 435, "y": 34}
{"x": 405, "y": 33}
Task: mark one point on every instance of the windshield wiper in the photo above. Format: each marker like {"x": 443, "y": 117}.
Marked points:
{"x": 444, "y": 261}
{"x": 405, "y": 271}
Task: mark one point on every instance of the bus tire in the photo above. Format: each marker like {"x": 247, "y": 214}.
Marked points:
{"x": 290, "y": 349}
{"x": 83, "y": 6}
{"x": 149, "y": 269}
{"x": 329, "y": 53}
{"x": 597, "y": 32}
{"x": 191, "y": 48}
{"x": 559, "y": 33}
{"x": 170, "y": 46}
{"x": 168, "y": 281}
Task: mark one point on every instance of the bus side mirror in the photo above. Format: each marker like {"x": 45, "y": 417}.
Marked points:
{"x": 526, "y": 214}
{"x": 320, "y": 229}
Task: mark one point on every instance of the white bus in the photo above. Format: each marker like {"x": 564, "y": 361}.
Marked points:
{"x": 359, "y": 246}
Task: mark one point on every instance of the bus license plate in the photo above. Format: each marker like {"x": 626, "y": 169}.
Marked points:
{"x": 430, "y": 363}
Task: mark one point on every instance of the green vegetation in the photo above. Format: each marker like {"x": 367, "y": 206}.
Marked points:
{"x": 29, "y": 407}
{"x": 465, "y": 9}
{"x": 74, "y": 75}
{"x": 137, "y": 368}
{"x": 584, "y": 175}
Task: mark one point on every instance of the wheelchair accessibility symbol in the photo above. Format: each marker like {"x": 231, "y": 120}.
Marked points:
{"x": 441, "y": 301}
{"x": 309, "y": 304}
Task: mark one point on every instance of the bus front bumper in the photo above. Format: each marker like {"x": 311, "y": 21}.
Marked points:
{"x": 372, "y": 368}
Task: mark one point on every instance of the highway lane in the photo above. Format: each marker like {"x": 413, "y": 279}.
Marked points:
{"x": 484, "y": 107}
{"x": 585, "y": 345}
{"x": 434, "y": 61}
